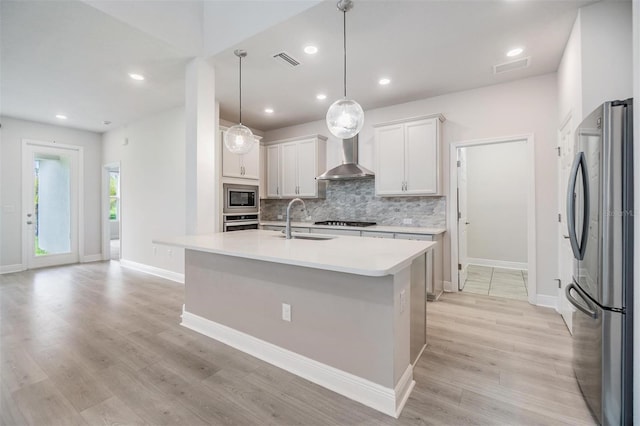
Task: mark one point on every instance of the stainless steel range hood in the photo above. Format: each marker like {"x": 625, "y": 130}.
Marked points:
{"x": 349, "y": 169}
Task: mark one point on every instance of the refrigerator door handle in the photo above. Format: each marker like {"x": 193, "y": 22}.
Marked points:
{"x": 580, "y": 248}
{"x": 586, "y": 310}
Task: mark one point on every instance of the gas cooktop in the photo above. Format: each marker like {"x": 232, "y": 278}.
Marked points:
{"x": 345, "y": 223}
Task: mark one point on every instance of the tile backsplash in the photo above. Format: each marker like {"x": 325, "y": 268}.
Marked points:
{"x": 356, "y": 200}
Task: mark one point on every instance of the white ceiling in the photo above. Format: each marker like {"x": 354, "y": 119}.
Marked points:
{"x": 73, "y": 57}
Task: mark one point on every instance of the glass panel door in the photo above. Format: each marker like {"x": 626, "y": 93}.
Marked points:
{"x": 50, "y": 205}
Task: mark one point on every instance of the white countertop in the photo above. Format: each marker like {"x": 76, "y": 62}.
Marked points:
{"x": 354, "y": 255}
{"x": 374, "y": 228}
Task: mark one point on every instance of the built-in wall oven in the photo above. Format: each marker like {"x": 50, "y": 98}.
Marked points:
{"x": 241, "y": 205}
{"x": 240, "y": 222}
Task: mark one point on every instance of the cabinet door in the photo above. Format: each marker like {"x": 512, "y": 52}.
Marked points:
{"x": 307, "y": 168}
{"x": 231, "y": 163}
{"x": 390, "y": 160}
{"x": 419, "y": 237}
{"x": 262, "y": 168}
{"x": 250, "y": 163}
{"x": 421, "y": 157}
{"x": 349, "y": 232}
{"x": 273, "y": 171}
{"x": 374, "y": 234}
{"x": 289, "y": 166}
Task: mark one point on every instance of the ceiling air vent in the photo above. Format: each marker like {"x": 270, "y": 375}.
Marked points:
{"x": 512, "y": 65}
{"x": 285, "y": 58}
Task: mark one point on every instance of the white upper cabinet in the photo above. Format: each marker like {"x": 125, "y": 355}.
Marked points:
{"x": 273, "y": 171}
{"x": 408, "y": 156}
{"x": 245, "y": 166}
{"x": 292, "y": 167}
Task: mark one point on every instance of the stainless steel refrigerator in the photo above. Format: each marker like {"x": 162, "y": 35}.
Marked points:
{"x": 600, "y": 221}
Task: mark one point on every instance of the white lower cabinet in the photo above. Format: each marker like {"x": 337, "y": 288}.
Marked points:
{"x": 435, "y": 283}
{"x": 374, "y": 234}
{"x": 350, "y": 232}
{"x": 281, "y": 228}
{"x": 292, "y": 166}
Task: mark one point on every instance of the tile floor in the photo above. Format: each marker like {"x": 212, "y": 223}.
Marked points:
{"x": 499, "y": 282}
{"x": 115, "y": 249}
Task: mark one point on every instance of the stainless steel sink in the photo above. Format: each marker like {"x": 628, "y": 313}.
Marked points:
{"x": 314, "y": 237}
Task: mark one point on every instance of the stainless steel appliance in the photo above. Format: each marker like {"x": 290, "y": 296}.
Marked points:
{"x": 600, "y": 220}
{"x": 349, "y": 168}
{"x": 240, "y": 198}
{"x": 240, "y": 222}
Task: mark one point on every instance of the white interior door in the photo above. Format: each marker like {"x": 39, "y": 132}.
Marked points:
{"x": 463, "y": 221}
{"x": 565, "y": 260}
{"x": 50, "y": 197}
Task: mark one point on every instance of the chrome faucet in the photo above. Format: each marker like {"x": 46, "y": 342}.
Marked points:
{"x": 287, "y": 231}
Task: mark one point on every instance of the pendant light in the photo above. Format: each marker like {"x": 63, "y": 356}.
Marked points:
{"x": 239, "y": 139}
{"x": 345, "y": 117}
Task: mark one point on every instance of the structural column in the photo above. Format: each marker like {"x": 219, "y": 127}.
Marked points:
{"x": 201, "y": 122}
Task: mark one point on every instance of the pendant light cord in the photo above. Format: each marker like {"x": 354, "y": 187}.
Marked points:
{"x": 344, "y": 38}
{"x": 240, "y": 84}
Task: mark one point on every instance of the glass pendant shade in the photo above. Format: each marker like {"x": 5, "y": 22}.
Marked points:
{"x": 239, "y": 139}
{"x": 345, "y": 118}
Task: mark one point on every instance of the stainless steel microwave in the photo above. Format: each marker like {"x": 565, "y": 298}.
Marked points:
{"x": 240, "y": 198}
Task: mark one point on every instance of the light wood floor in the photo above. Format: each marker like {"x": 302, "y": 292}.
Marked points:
{"x": 97, "y": 344}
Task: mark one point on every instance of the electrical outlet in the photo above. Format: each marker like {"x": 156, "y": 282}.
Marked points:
{"x": 279, "y": 217}
{"x": 407, "y": 221}
{"x": 286, "y": 312}
{"x": 403, "y": 301}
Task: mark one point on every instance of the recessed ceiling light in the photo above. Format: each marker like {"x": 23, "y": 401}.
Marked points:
{"x": 515, "y": 52}
{"x": 310, "y": 50}
{"x": 135, "y": 76}
{"x": 321, "y": 96}
{"x": 384, "y": 81}
{"x": 268, "y": 110}
{"x": 61, "y": 116}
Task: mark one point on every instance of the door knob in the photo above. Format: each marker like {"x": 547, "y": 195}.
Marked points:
{"x": 29, "y": 215}
{"x": 29, "y": 222}
{"x": 467, "y": 223}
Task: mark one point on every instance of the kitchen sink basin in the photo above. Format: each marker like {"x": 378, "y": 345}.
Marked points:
{"x": 314, "y": 237}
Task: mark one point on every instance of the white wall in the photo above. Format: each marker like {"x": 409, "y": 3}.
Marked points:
{"x": 12, "y": 132}
{"x": 497, "y": 202}
{"x": 152, "y": 186}
{"x": 570, "y": 78}
{"x": 516, "y": 108}
{"x": 607, "y": 62}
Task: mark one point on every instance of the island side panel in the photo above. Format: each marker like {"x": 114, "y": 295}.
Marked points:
{"x": 350, "y": 322}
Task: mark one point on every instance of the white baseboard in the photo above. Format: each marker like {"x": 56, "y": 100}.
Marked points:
{"x": 386, "y": 400}
{"x": 448, "y": 286}
{"x": 91, "y": 258}
{"x": 547, "y": 301}
{"x": 152, "y": 270}
{"x": 8, "y": 269}
{"x": 497, "y": 263}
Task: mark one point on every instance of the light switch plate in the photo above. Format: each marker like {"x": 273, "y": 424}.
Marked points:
{"x": 407, "y": 221}
{"x": 286, "y": 312}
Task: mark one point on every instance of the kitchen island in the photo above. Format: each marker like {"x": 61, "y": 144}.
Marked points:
{"x": 343, "y": 312}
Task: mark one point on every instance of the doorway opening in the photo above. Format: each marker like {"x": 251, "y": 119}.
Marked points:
{"x": 51, "y": 203}
{"x": 492, "y": 213}
{"x": 112, "y": 212}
